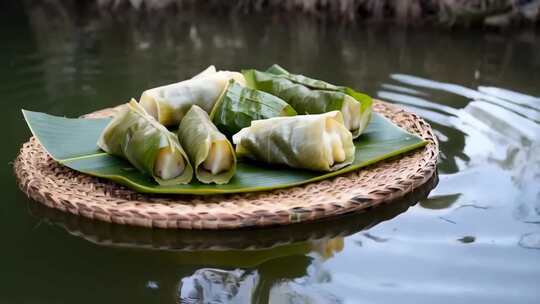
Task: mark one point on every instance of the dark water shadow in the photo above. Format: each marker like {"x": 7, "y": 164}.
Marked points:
{"x": 247, "y": 266}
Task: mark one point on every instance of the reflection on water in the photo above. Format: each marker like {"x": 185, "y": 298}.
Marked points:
{"x": 501, "y": 134}
{"x": 244, "y": 266}
{"x": 212, "y": 285}
{"x": 502, "y": 140}
{"x": 474, "y": 239}
{"x": 209, "y": 285}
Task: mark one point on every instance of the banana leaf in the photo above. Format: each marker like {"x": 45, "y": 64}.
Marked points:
{"x": 306, "y": 100}
{"x": 316, "y": 84}
{"x": 72, "y": 142}
{"x": 313, "y": 142}
{"x": 304, "y": 80}
{"x": 210, "y": 152}
{"x": 149, "y": 146}
{"x": 239, "y": 106}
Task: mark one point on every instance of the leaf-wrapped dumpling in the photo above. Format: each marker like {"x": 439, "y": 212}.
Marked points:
{"x": 315, "y": 142}
{"x": 317, "y": 84}
{"x": 315, "y": 100}
{"x": 210, "y": 152}
{"x": 136, "y": 136}
{"x": 304, "y": 80}
{"x": 240, "y": 105}
{"x": 168, "y": 104}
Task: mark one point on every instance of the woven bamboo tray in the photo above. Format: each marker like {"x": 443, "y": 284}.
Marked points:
{"x": 124, "y": 236}
{"x": 56, "y": 186}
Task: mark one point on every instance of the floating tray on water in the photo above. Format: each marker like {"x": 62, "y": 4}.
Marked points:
{"x": 125, "y": 236}
{"x": 56, "y": 186}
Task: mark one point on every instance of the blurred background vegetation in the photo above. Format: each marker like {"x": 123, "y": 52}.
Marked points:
{"x": 445, "y": 12}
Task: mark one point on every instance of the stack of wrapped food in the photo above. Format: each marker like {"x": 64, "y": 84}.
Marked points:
{"x": 184, "y": 130}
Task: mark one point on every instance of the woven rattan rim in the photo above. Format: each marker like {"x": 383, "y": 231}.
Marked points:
{"x": 56, "y": 186}
{"x": 124, "y": 236}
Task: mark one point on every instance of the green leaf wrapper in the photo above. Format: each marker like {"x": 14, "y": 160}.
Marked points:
{"x": 200, "y": 137}
{"x": 304, "y": 80}
{"x": 240, "y": 105}
{"x": 137, "y": 137}
{"x": 309, "y": 96}
{"x": 316, "y": 84}
{"x": 168, "y": 104}
{"x": 303, "y": 141}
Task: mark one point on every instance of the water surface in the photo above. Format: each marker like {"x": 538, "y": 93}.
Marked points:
{"x": 475, "y": 239}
